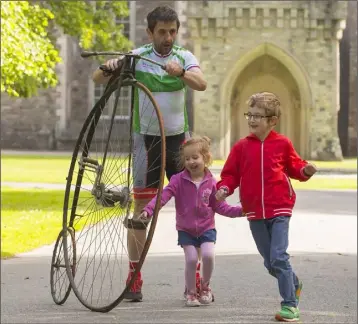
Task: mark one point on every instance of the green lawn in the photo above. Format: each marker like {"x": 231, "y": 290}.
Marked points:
{"x": 54, "y": 169}
{"x": 35, "y": 168}
{"x": 317, "y": 183}
{"x": 350, "y": 164}
{"x": 32, "y": 168}
{"x": 31, "y": 218}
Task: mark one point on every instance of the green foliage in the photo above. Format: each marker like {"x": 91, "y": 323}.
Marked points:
{"x": 28, "y": 51}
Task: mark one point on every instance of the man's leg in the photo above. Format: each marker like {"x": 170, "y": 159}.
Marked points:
{"x": 146, "y": 179}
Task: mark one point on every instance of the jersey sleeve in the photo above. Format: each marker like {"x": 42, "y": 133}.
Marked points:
{"x": 140, "y": 50}
{"x": 190, "y": 61}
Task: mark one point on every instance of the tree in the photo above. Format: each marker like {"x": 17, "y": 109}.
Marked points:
{"x": 28, "y": 51}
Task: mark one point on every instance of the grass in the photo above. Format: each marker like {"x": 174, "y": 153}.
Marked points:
{"x": 43, "y": 169}
{"x": 319, "y": 183}
{"x": 54, "y": 169}
{"x": 31, "y": 218}
{"x": 349, "y": 164}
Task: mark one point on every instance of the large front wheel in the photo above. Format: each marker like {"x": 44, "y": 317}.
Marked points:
{"x": 100, "y": 188}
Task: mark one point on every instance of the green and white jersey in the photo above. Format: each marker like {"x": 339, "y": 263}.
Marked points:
{"x": 168, "y": 91}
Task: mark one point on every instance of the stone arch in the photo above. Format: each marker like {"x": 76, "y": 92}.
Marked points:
{"x": 229, "y": 85}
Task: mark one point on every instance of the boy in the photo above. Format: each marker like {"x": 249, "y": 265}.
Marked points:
{"x": 261, "y": 165}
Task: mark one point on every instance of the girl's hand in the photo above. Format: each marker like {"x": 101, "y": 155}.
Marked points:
{"x": 221, "y": 194}
{"x": 310, "y": 170}
{"x": 143, "y": 216}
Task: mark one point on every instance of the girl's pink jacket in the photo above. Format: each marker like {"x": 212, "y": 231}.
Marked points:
{"x": 195, "y": 207}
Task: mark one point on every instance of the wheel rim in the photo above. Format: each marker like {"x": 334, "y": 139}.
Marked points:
{"x": 59, "y": 281}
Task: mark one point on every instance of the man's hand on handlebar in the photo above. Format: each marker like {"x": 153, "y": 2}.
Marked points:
{"x": 114, "y": 64}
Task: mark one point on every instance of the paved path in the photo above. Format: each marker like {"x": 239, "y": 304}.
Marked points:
{"x": 323, "y": 246}
{"x": 310, "y": 232}
{"x": 244, "y": 293}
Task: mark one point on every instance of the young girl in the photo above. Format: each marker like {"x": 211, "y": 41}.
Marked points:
{"x": 194, "y": 191}
{"x": 261, "y": 165}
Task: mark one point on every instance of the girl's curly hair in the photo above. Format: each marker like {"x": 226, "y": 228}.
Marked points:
{"x": 203, "y": 143}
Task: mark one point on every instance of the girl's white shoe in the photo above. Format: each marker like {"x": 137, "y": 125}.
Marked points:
{"x": 206, "y": 295}
{"x": 192, "y": 300}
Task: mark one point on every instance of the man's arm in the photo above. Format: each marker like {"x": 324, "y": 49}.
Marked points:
{"x": 194, "y": 79}
{"x": 99, "y": 77}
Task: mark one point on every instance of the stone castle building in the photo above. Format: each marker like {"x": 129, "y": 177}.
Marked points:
{"x": 296, "y": 49}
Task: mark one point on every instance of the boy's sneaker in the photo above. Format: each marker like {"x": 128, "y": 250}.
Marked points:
{"x": 298, "y": 292}
{"x": 288, "y": 314}
{"x": 192, "y": 300}
{"x": 206, "y": 295}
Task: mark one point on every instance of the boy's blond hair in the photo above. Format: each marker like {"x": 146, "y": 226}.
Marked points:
{"x": 204, "y": 148}
{"x": 267, "y": 101}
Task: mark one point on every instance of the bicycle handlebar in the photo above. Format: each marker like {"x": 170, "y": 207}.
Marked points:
{"x": 136, "y": 56}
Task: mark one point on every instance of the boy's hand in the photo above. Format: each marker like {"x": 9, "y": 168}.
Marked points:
{"x": 310, "y": 170}
{"x": 221, "y": 194}
{"x": 143, "y": 216}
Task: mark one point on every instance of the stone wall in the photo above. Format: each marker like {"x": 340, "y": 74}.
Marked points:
{"x": 219, "y": 34}
{"x": 353, "y": 103}
{"x": 76, "y": 95}
{"x": 224, "y": 32}
{"x": 31, "y": 123}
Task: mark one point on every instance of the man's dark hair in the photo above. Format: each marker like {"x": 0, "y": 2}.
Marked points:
{"x": 162, "y": 13}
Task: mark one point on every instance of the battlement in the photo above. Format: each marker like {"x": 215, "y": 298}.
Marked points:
{"x": 213, "y": 19}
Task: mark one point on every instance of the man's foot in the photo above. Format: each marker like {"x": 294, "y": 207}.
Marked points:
{"x": 288, "y": 314}
{"x": 192, "y": 300}
{"x": 206, "y": 295}
{"x": 135, "y": 292}
{"x": 298, "y": 292}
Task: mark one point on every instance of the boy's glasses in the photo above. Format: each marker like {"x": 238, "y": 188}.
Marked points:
{"x": 249, "y": 116}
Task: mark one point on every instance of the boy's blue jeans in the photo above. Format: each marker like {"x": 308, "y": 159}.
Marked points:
{"x": 271, "y": 238}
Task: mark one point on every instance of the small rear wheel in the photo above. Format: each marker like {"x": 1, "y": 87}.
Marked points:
{"x": 60, "y": 284}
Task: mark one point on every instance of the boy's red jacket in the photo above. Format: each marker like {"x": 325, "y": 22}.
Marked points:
{"x": 262, "y": 171}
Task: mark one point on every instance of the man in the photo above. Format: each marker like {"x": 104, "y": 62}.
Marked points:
{"x": 183, "y": 69}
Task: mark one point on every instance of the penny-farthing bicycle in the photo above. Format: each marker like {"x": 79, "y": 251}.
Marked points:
{"x": 98, "y": 204}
